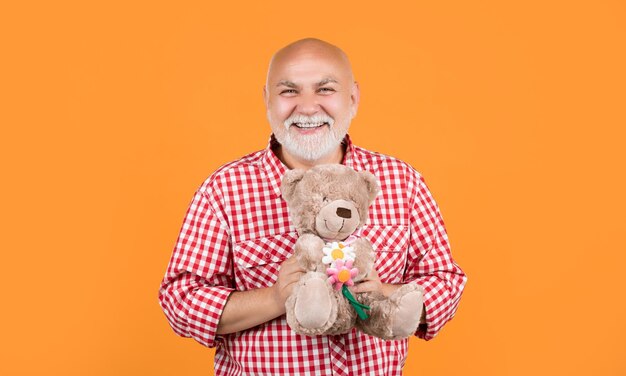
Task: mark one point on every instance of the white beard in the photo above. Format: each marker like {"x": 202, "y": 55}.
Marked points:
{"x": 315, "y": 146}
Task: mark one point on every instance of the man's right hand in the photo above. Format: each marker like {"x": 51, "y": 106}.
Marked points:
{"x": 288, "y": 275}
{"x": 246, "y": 309}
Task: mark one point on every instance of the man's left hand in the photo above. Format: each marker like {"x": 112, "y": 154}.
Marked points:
{"x": 372, "y": 283}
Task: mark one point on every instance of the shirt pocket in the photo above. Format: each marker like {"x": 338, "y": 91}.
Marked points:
{"x": 257, "y": 261}
{"x": 390, "y": 244}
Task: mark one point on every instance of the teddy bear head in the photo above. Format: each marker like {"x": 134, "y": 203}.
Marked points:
{"x": 331, "y": 200}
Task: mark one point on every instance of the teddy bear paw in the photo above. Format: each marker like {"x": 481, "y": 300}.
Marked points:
{"x": 407, "y": 317}
{"x": 313, "y": 308}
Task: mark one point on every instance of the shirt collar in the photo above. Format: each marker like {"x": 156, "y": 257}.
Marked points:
{"x": 275, "y": 169}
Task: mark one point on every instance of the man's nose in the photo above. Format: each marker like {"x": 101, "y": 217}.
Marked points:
{"x": 344, "y": 213}
{"x": 308, "y": 104}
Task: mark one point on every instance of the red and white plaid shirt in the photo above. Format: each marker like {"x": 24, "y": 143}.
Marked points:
{"x": 236, "y": 233}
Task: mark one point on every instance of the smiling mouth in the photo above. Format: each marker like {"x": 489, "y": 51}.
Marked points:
{"x": 343, "y": 222}
{"x": 309, "y": 125}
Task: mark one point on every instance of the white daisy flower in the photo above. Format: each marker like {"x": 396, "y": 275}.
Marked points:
{"x": 337, "y": 251}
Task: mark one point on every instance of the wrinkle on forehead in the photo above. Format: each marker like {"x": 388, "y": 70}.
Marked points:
{"x": 310, "y": 47}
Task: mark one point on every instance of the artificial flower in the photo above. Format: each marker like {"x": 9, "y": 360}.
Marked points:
{"x": 341, "y": 273}
{"x": 337, "y": 251}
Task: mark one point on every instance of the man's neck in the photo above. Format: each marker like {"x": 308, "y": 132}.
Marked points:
{"x": 292, "y": 162}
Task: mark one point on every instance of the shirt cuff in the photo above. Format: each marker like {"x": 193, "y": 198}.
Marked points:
{"x": 436, "y": 306}
{"x": 204, "y": 313}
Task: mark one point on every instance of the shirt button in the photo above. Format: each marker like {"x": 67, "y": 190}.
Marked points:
{"x": 267, "y": 256}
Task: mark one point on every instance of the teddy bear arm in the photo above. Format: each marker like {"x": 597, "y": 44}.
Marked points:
{"x": 364, "y": 260}
{"x": 308, "y": 250}
{"x": 395, "y": 317}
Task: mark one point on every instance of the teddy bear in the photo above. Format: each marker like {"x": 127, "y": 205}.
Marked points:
{"x": 328, "y": 205}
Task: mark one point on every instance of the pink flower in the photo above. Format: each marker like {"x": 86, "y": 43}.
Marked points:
{"x": 341, "y": 273}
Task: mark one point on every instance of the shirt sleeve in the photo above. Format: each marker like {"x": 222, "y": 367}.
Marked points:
{"x": 199, "y": 277}
{"x": 429, "y": 261}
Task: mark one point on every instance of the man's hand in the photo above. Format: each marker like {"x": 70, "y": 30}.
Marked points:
{"x": 246, "y": 309}
{"x": 372, "y": 283}
{"x": 289, "y": 274}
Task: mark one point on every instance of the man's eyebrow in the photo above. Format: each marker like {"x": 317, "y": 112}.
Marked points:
{"x": 293, "y": 85}
{"x": 286, "y": 83}
{"x": 326, "y": 81}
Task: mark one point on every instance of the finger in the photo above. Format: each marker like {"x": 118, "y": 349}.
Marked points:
{"x": 372, "y": 276}
{"x": 295, "y": 274}
{"x": 294, "y": 261}
{"x": 292, "y": 279}
{"x": 365, "y": 286}
{"x": 289, "y": 264}
{"x": 294, "y": 268}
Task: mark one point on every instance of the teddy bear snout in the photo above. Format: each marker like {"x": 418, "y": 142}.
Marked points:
{"x": 344, "y": 213}
{"x": 337, "y": 220}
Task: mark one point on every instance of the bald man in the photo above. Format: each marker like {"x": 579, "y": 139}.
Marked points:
{"x": 310, "y": 78}
{"x": 231, "y": 270}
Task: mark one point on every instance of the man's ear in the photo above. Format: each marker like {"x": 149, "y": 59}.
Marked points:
{"x": 371, "y": 183}
{"x": 265, "y": 96}
{"x": 355, "y": 97}
{"x": 289, "y": 182}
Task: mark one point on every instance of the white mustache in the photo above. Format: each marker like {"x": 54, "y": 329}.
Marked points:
{"x": 305, "y": 121}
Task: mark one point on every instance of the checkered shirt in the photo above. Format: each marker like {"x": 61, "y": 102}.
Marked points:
{"x": 236, "y": 233}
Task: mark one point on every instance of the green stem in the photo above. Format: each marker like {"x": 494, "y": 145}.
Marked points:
{"x": 358, "y": 307}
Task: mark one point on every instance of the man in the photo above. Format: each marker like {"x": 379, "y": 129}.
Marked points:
{"x": 231, "y": 270}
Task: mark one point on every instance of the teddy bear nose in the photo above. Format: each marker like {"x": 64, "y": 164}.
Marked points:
{"x": 344, "y": 213}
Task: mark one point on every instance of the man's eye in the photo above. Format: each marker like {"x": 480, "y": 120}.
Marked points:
{"x": 327, "y": 89}
{"x": 288, "y": 91}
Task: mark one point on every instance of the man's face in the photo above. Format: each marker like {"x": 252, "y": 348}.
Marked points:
{"x": 310, "y": 98}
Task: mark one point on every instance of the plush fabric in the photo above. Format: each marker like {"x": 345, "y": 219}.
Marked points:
{"x": 329, "y": 203}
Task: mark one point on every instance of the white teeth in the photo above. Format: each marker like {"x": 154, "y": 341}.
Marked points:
{"x": 302, "y": 121}
{"x": 309, "y": 125}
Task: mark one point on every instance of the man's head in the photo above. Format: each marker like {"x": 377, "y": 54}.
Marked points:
{"x": 310, "y": 97}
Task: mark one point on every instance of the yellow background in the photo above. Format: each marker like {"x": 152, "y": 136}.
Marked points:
{"x": 114, "y": 112}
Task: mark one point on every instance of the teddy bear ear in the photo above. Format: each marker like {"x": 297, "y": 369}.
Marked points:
{"x": 289, "y": 182}
{"x": 371, "y": 183}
